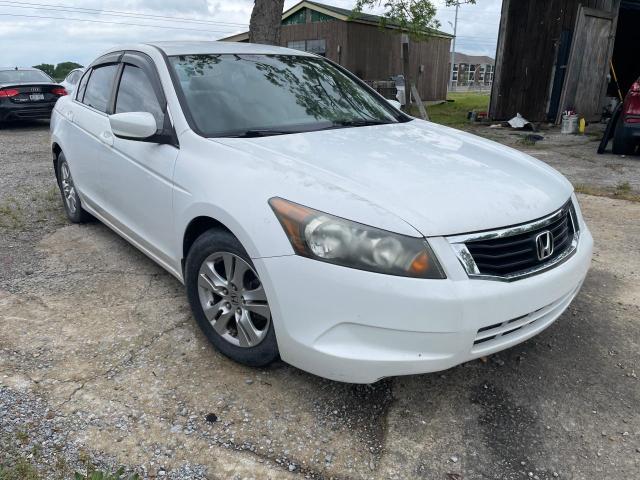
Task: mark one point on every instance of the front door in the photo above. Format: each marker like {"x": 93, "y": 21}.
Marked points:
{"x": 139, "y": 175}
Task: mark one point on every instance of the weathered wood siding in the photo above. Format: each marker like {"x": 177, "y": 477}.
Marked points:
{"x": 375, "y": 54}
{"x": 333, "y": 32}
{"x": 527, "y": 48}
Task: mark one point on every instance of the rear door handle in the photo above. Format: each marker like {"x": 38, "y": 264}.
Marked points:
{"x": 70, "y": 116}
{"x": 107, "y": 137}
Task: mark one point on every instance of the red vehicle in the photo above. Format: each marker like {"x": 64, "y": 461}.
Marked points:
{"x": 624, "y": 126}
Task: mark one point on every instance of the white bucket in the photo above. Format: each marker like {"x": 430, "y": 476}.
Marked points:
{"x": 569, "y": 124}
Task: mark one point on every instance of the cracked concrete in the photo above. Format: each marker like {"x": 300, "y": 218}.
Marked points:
{"x": 105, "y": 339}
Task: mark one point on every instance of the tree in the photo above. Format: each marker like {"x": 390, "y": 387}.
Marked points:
{"x": 63, "y": 69}
{"x": 415, "y": 17}
{"x": 46, "y": 68}
{"x": 264, "y": 26}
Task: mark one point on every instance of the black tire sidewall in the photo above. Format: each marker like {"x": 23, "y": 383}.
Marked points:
{"x": 622, "y": 144}
{"x": 217, "y": 240}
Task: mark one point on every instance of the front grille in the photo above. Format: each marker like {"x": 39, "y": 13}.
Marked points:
{"x": 517, "y": 252}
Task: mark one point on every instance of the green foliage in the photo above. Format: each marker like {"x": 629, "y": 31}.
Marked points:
{"x": 416, "y": 17}
{"x": 46, "y": 68}
{"x": 63, "y": 69}
{"x": 60, "y": 71}
{"x": 100, "y": 475}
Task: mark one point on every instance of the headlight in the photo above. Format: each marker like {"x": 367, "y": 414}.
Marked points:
{"x": 323, "y": 237}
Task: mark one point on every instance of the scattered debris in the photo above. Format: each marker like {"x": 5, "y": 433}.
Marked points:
{"x": 520, "y": 122}
{"x": 211, "y": 418}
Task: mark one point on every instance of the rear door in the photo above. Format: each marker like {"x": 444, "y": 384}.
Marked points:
{"x": 90, "y": 138}
{"x": 588, "y": 65}
{"x": 138, "y": 175}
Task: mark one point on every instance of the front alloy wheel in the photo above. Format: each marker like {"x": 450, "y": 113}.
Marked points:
{"x": 228, "y": 299}
{"x": 233, "y": 299}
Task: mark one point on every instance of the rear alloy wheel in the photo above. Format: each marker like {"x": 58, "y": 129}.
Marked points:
{"x": 228, "y": 299}
{"x": 70, "y": 198}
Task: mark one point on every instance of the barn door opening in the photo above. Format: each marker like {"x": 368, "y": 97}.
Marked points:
{"x": 588, "y": 66}
{"x": 627, "y": 47}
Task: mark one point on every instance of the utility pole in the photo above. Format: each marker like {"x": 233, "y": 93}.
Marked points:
{"x": 453, "y": 51}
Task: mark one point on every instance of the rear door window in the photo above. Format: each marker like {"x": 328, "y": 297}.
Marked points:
{"x": 99, "y": 87}
{"x": 136, "y": 94}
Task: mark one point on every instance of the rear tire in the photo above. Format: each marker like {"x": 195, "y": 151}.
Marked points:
{"x": 221, "y": 279}
{"x": 70, "y": 199}
{"x": 622, "y": 144}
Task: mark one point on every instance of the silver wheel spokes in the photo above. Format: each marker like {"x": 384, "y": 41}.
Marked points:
{"x": 233, "y": 299}
{"x": 68, "y": 189}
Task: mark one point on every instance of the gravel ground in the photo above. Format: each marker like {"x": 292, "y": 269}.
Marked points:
{"x": 102, "y": 365}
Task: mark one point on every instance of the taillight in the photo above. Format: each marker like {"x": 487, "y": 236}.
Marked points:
{"x": 9, "y": 92}
{"x": 61, "y": 92}
{"x": 631, "y": 106}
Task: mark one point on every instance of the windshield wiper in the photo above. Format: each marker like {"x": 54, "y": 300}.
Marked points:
{"x": 264, "y": 132}
{"x": 357, "y": 123}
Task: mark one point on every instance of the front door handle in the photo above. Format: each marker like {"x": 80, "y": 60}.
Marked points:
{"x": 107, "y": 137}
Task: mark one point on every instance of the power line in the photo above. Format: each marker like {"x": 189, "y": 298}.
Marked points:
{"x": 113, "y": 23}
{"x": 114, "y": 13}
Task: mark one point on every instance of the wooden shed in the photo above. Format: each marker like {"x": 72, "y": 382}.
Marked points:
{"x": 361, "y": 46}
{"x": 554, "y": 55}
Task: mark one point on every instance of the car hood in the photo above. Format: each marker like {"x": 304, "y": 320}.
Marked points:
{"x": 439, "y": 180}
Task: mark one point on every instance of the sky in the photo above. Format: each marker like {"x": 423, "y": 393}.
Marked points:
{"x": 82, "y": 29}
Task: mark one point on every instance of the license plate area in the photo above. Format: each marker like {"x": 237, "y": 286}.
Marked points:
{"x": 36, "y": 97}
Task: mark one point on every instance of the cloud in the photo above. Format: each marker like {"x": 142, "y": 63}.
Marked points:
{"x": 33, "y": 40}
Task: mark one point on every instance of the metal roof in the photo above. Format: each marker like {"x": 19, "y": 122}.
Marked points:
{"x": 336, "y": 12}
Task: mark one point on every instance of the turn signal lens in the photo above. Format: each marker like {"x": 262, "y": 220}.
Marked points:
{"x": 320, "y": 236}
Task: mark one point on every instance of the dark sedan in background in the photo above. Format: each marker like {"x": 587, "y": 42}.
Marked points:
{"x": 27, "y": 94}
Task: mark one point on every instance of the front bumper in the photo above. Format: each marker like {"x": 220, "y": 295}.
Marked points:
{"x": 358, "y": 327}
{"x": 27, "y": 111}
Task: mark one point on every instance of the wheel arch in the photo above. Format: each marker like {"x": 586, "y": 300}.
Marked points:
{"x": 56, "y": 150}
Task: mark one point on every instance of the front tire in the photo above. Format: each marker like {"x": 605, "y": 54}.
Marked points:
{"x": 228, "y": 299}
{"x": 70, "y": 199}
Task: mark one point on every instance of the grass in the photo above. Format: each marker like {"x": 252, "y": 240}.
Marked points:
{"x": 622, "y": 191}
{"x": 38, "y": 207}
{"x": 11, "y": 214}
{"x": 454, "y": 114}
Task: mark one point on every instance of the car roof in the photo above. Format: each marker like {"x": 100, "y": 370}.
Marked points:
{"x": 210, "y": 47}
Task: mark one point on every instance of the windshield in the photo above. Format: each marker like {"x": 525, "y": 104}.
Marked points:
{"x": 23, "y": 76}
{"x": 252, "y": 95}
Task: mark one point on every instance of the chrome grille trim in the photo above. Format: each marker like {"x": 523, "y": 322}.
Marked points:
{"x": 458, "y": 243}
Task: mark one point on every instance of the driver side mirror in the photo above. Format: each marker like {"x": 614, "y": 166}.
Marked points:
{"x": 133, "y": 125}
{"x": 140, "y": 126}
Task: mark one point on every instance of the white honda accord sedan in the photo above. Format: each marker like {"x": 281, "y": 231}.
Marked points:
{"x": 311, "y": 220}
